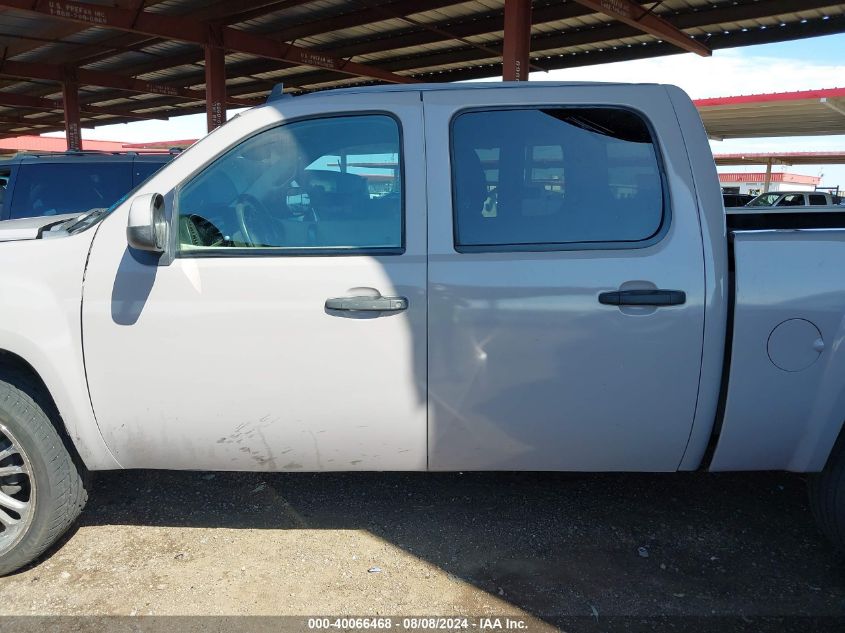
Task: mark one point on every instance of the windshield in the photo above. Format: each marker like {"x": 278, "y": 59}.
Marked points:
{"x": 56, "y": 188}
{"x": 95, "y": 214}
{"x": 92, "y": 215}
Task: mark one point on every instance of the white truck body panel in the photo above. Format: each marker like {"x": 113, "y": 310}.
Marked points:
{"x": 527, "y": 370}
{"x": 41, "y": 293}
{"x": 785, "y": 399}
{"x": 29, "y": 228}
{"x": 716, "y": 272}
{"x": 242, "y": 367}
{"x": 504, "y": 359}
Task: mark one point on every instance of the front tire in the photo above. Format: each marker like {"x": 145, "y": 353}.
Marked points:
{"x": 42, "y": 489}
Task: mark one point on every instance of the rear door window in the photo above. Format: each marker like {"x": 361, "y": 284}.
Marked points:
{"x": 791, "y": 200}
{"x": 541, "y": 179}
{"x": 55, "y": 188}
{"x": 817, "y": 199}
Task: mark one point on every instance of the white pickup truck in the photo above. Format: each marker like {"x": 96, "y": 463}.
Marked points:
{"x": 427, "y": 277}
{"x": 795, "y": 199}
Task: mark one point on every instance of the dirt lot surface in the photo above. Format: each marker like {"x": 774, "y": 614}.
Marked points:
{"x": 539, "y": 546}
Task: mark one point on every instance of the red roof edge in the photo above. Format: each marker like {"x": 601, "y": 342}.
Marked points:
{"x": 780, "y": 155}
{"x": 161, "y": 144}
{"x": 829, "y": 93}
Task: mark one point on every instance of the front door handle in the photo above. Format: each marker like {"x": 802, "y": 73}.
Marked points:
{"x": 367, "y": 304}
{"x": 647, "y": 297}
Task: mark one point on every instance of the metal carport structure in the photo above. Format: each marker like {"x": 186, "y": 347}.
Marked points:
{"x": 781, "y": 158}
{"x": 769, "y": 159}
{"x": 802, "y": 113}
{"x": 66, "y": 64}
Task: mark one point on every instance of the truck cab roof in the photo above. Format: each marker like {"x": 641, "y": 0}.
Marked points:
{"x": 277, "y": 94}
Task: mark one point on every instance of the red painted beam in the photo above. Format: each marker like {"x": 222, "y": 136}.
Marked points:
{"x": 215, "y": 81}
{"x": 14, "y": 100}
{"x": 49, "y": 72}
{"x": 70, "y": 100}
{"x": 634, "y": 14}
{"x": 185, "y": 29}
{"x": 517, "y": 44}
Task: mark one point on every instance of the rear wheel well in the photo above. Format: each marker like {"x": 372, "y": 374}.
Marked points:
{"x": 17, "y": 371}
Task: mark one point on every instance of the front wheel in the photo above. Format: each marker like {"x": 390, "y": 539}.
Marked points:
{"x": 827, "y": 496}
{"x": 41, "y": 487}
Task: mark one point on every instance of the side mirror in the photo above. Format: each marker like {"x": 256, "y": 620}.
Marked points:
{"x": 146, "y": 228}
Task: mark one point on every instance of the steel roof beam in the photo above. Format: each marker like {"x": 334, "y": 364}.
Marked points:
{"x": 20, "y": 121}
{"x": 215, "y": 86}
{"x": 623, "y": 53}
{"x": 703, "y": 18}
{"x": 185, "y": 29}
{"x": 58, "y": 32}
{"x": 488, "y": 22}
{"x": 224, "y": 12}
{"x": 633, "y": 14}
{"x": 491, "y": 21}
{"x": 539, "y": 43}
{"x": 15, "y": 100}
{"x": 516, "y": 47}
{"x": 129, "y": 44}
{"x": 353, "y": 18}
{"x": 573, "y": 38}
{"x": 11, "y": 133}
{"x": 248, "y": 9}
{"x": 73, "y": 123}
{"x": 137, "y": 42}
{"x": 48, "y": 72}
{"x": 84, "y": 54}
{"x": 56, "y": 123}
{"x": 315, "y": 27}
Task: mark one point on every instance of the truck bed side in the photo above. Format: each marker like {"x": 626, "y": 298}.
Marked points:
{"x": 785, "y": 401}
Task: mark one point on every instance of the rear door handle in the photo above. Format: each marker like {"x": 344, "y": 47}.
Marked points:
{"x": 646, "y": 297}
{"x": 367, "y": 304}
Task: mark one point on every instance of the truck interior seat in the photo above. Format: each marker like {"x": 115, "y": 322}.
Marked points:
{"x": 470, "y": 193}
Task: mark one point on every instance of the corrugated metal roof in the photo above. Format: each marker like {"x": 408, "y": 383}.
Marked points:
{"x": 782, "y": 158}
{"x": 799, "y": 113}
{"x": 436, "y": 40}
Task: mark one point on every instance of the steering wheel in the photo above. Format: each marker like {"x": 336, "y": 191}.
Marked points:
{"x": 254, "y": 221}
{"x": 202, "y": 232}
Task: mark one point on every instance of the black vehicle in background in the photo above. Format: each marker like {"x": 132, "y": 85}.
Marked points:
{"x": 38, "y": 184}
{"x": 736, "y": 199}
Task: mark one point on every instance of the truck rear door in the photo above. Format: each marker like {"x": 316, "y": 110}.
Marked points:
{"x": 566, "y": 279}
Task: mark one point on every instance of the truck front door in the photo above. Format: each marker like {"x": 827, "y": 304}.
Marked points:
{"x": 288, "y": 333}
{"x": 566, "y": 280}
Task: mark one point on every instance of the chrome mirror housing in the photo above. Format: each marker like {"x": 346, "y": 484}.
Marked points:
{"x": 147, "y": 227}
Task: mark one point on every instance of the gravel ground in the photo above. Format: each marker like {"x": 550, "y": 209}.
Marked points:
{"x": 538, "y": 546}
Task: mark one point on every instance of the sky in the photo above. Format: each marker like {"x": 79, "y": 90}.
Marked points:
{"x": 799, "y": 65}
